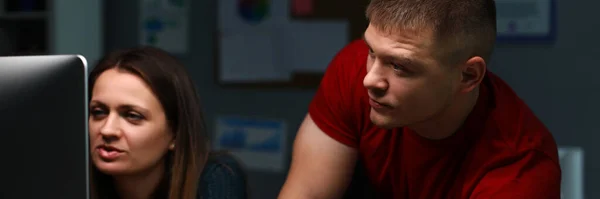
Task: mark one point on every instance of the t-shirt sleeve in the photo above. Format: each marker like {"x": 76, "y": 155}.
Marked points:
{"x": 534, "y": 176}
{"x": 335, "y": 107}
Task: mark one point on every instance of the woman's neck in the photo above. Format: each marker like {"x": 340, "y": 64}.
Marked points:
{"x": 139, "y": 186}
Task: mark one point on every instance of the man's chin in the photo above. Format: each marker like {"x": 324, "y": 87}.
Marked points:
{"x": 383, "y": 121}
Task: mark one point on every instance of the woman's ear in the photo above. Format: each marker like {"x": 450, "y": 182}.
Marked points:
{"x": 172, "y": 145}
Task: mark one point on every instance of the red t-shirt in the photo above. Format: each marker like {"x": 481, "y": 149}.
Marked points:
{"x": 502, "y": 150}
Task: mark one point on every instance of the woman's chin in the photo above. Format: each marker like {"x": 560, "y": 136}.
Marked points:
{"x": 111, "y": 168}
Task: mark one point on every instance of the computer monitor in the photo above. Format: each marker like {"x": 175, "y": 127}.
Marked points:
{"x": 43, "y": 127}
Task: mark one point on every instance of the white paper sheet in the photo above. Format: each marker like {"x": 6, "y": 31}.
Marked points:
{"x": 251, "y": 51}
{"x": 259, "y": 143}
{"x": 251, "y": 56}
{"x": 164, "y": 24}
{"x": 310, "y": 46}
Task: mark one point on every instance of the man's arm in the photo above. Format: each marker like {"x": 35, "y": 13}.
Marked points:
{"x": 321, "y": 166}
{"x": 533, "y": 176}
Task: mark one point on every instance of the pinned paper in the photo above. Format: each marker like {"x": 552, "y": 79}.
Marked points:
{"x": 164, "y": 24}
{"x": 302, "y": 7}
{"x": 252, "y": 55}
{"x": 258, "y": 142}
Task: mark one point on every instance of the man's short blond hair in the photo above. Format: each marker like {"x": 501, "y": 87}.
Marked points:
{"x": 461, "y": 28}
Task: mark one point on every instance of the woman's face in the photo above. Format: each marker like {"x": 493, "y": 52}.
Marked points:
{"x": 129, "y": 133}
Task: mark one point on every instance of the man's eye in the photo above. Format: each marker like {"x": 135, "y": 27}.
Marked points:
{"x": 397, "y": 67}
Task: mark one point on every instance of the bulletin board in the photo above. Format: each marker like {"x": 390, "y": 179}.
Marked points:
{"x": 282, "y": 44}
{"x": 289, "y": 43}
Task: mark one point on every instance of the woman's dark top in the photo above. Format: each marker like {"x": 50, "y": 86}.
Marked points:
{"x": 222, "y": 178}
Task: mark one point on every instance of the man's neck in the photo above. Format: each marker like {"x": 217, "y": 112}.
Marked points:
{"x": 140, "y": 186}
{"x": 447, "y": 122}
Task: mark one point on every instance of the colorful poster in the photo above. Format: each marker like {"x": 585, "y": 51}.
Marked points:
{"x": 164, "y": 24}
{"x": 260, "y": 42}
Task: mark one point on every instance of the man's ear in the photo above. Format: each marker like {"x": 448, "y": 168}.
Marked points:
{"x": 472, "y": 73}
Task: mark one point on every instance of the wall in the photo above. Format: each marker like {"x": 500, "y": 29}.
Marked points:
{"x": 87, "y": 39}
{"x": 559, "y": 82}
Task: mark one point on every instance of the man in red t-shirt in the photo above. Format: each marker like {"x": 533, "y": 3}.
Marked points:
{"x": 414, "y": 103}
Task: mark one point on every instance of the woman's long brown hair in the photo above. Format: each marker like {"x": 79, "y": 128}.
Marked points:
{"x": 170, "y": 82}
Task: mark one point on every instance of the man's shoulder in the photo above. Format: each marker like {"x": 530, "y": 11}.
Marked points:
{"x": 339, "y": 107}
{"x": 347, "y": 68}
{"x": 355, "y": 46}
{"x": 510, "y": 112}
{"x": 516, "y": 124}
{"x": 352, "y": 57}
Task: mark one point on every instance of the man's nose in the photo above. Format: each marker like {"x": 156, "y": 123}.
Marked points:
{"x": 375, "y": 80}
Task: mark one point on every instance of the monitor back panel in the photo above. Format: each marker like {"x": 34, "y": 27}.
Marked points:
{"x": 43, "y": 127}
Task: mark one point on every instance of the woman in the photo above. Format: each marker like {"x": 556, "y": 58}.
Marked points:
{"x": 147, "y": 134}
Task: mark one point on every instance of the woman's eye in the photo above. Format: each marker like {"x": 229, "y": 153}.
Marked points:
{"x": 134, "y": 116}
{"x": 97, "y": 112}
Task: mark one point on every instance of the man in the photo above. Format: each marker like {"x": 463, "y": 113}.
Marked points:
{"x": 415, "y": 103}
